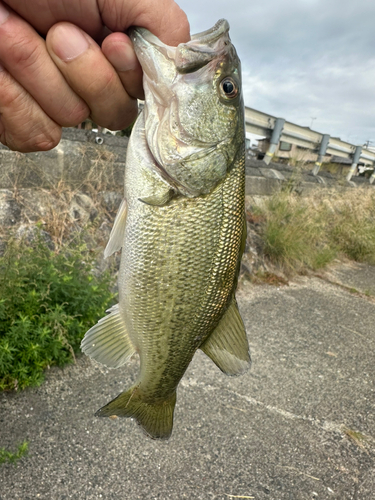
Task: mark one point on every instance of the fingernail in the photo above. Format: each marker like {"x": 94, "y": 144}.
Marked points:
{"x": 68, "y": 42}
{"x": 4, "y": 14}
{"x": 124, "y": 59}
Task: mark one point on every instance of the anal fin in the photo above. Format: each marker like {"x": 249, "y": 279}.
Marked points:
{"x": 108, "y": 342}
{"x": 227, "y": 345}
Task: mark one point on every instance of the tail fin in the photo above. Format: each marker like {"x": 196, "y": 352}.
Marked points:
{"x": 156, "y": 419}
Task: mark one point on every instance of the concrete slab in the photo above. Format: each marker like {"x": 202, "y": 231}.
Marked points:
{"x": 300, "y": 425}
{"x": 261, "y": 186}
{"x": 355, "y": 275}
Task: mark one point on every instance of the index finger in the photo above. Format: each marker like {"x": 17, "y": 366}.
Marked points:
{"x": 164, "y": 18}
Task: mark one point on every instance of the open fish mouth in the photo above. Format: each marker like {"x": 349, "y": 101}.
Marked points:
{"x": 187, "y": 57}
{"x": 212, "y": 34}
{"x": 207, "y": 37}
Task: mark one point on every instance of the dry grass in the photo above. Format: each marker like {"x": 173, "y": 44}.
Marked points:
{"x": 96, "y": 171}
{"x": 304, "y": 233}
{"x": 87, "y": 168}
{"x": 268, "y": 277}
{"x": 65, "y": 198}
{"x": 61, "y": 212}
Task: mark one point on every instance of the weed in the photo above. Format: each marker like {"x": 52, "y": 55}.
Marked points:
{"x": 356, "y": 437}
{"x": 8, "y": 456}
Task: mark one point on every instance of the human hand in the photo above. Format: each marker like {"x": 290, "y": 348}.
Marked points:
{"x": 61, "y": 81}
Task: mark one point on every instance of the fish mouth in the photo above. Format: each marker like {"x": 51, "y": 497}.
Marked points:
{"x": 187, "y": 57}
{"x": 205, "y": 37}
{"x": 212, "y": 34}
{"x": 143, "y": 39}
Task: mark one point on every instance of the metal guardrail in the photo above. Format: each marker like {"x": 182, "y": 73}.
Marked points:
{"x": 278, "y": 129}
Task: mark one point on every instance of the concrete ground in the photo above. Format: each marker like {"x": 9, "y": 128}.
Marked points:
{"x": 299, "y": 426}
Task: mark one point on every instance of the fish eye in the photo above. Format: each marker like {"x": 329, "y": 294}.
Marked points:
{"x": 228, "y": 88}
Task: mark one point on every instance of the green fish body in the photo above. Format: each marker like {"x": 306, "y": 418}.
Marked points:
{"x": 181, "y": 227}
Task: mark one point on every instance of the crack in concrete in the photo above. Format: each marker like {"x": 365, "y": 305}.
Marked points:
{"x": 325, "y": 425}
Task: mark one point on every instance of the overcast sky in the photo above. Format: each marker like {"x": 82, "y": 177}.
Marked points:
{"x": 311, "y": 62}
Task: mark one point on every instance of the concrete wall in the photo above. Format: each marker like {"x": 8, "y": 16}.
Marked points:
{"x": 77, "y": 161}
{"x": 81, "y": 163}
{"x": 264, "y": 180}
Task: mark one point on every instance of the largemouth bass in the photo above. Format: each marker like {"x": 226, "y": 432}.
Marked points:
{"x": 181, "y": 227}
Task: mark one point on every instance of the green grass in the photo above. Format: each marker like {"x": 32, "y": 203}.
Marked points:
{"x": 9, "y": 457}
{"x": 308, "y": 233}
{"x": 49, "y": 299}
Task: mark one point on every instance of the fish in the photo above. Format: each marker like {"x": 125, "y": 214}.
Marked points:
{"x": 181, "y": 227}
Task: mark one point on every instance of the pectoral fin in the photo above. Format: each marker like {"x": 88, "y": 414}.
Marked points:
{"x": 116, "y": 238}
{"x": 227, "y": 345}
{"x": 159, "y": 199}
{"x": 108, "y": 342}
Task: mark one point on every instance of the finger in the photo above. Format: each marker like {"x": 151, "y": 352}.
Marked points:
{"x": 23, "y": 53}
{"x": 83, "y": 13}
{"x": 118, "y": 49}
{"x": 91, "y": 76}
{"x": 164, "y": 18}
{"x": 23, "y": 124}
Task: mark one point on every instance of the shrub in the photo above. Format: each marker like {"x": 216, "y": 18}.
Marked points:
{"x": 48, "y": 300}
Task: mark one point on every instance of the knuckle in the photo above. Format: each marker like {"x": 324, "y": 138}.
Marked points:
{"x": 122, "y": 122}
{"x": 9, "y": 91}
{"x": 25, "y": 52}
{"x": 28, "y": 132}
{"x": 13, "y": 99}
{"x": 74, "y": 114}
{"x": 24, "y": 126}
{"x": 122, "y": 118}
{"x": 41, "y": 142}
{"x": 47, "y": 140}
{"x": 102, "y": 87}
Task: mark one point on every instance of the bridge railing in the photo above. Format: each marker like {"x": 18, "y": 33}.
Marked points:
{"x": 278, "y": 129}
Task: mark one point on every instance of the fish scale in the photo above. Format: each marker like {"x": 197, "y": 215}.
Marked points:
{"x": 181, "y": 227}
{"x": 167, "y": 288}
